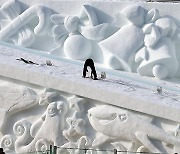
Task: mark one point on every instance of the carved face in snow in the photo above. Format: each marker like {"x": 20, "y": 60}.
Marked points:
{"x": 29, "y": 95}
{"x": 15, "y": 98}
{"x": 52, "y": 109}
{"x": 107, "y": 116}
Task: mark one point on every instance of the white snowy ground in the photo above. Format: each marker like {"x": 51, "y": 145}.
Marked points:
{"x": 113, "y": 90}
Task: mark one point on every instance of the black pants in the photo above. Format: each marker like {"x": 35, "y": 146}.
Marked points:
{"x": 90, "y": 63}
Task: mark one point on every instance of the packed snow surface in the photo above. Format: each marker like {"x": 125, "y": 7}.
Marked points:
{"x": 113, "y": 84}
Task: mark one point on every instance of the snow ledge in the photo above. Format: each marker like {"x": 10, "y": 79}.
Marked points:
{"x": 67, "y": 78}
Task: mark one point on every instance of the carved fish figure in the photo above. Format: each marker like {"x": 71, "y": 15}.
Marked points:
{"x": 14, "y": 99}
{"x": 119, "y": 124}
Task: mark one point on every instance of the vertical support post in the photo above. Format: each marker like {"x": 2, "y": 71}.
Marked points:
{"x": 51, "y": 149}
{"x": 55, "y": 150}
{"x": 115, "y": 151}
{"x": 85, "y": 150}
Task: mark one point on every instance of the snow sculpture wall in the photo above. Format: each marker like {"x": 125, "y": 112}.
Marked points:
{"x": 14, "y": 27}
{"x": 146, "y": 34}
{"x": 36, "y": 117}
{"x": 138, "y": 39}
{"x": 145, "y": 43}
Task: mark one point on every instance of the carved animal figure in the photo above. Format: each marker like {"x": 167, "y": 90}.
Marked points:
{"x": 14, "y": 99}
{"x": 119, "y": 124}
{"x": 45, "y": 131}
{"x": 51, "y": 122}
{"x": 90, "y": 63}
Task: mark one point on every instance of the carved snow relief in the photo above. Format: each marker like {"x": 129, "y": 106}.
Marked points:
{"x": 160, "y": 49}
{"x": 148, "y": 39}
{"x": 114, "y": 123}
{"x": 124, "y": 49}
{"x": 146, "y": 45}
{"x": 14, "y": 23}
{"x": 74, "y": 34}
{"x": 14, "y": 99}
{"x": 70, "y": 121}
